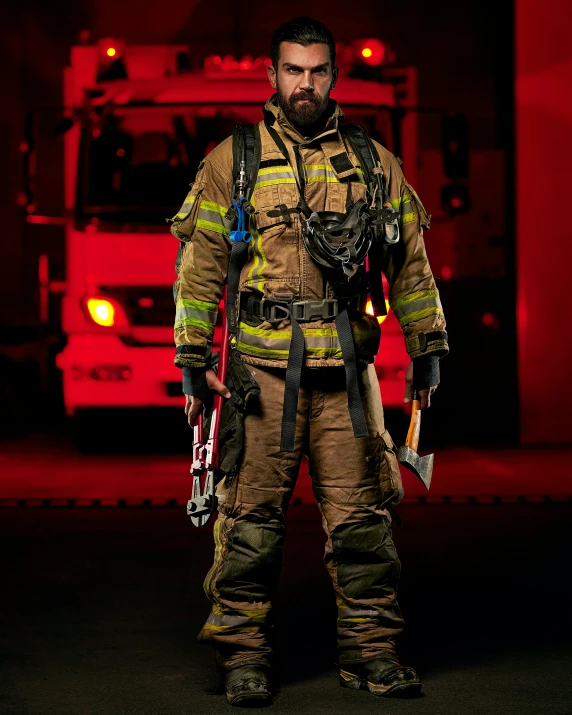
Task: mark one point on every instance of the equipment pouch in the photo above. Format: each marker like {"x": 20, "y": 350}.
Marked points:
{"x": 367, "y": 335}
{"x": 184, "y": 221}
{"x": 243, "y": 388}
{"x": 390, "y": 476}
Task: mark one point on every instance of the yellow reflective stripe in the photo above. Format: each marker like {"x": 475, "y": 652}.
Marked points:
{"x": 396, "y": 203}
{"x": 420, "y": 314}
{"x": 211, "y": 226}
{"x": 283, "y": 354}
{"x": 410, "y": 297}
{"x": 211, "y": 206}
{"x": 194, "y": 322}
{"x": 275, "y": 170}
{"x": 261, "y": 352}
{"x": 250, "y": 629}
{"x": 199, "y": 304}
{"x": 274, "y": 181}
{"x": 408, "y": 218}
{"x": 286, "y": 334}
{"x": 218, "y": 549}
{"x": 185, "y": 209}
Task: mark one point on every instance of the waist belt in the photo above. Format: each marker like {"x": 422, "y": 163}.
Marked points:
{"x": 305, "y": 311}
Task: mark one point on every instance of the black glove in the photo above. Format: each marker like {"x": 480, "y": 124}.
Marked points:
{"x": 425, "y": 372}
{"x": 195, "y": 382}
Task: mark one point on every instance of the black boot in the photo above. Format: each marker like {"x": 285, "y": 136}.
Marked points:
{"x": 247, "y": 686}
{"x": 382, "y": 676}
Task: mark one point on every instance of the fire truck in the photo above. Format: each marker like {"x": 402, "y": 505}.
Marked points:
{"x": 140, "y": 122}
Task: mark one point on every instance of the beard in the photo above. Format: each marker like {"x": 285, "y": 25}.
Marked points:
{"x": 302, "y": 115}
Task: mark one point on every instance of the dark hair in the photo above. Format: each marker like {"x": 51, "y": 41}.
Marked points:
{"x": 303, "y": 31}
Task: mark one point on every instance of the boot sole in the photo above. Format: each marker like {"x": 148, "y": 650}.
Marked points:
{"x": 400, "y": 690}
{"x": 252, "y": 700}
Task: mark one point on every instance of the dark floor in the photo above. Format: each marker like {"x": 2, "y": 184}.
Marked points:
{"x": 102, "y": 607}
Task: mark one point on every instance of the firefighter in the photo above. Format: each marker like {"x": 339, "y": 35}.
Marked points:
{"x": 356, "y": 481}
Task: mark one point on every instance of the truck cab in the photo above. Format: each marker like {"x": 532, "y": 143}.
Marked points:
{"x": 141, "y": 124}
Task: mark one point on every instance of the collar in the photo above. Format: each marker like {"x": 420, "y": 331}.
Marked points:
{"x": 274, "y": 115}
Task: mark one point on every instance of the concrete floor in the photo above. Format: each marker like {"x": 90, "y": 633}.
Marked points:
{"x": 101, "y": 606}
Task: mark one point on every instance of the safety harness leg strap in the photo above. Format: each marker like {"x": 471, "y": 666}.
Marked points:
{"x": 292, "y": 388}
{"x": 346, "y": 338}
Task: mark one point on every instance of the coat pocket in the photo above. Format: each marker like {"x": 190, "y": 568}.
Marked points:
{"x": 390, "y": 476}
{"x": 416, "y": 209}
{"x": 184, "y": 221}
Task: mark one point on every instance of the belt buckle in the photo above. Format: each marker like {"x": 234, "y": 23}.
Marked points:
{"x": 306, "y": 310}
{"x": 273, "y": 316}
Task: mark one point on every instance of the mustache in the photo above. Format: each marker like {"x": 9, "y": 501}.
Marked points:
{"x": 314, "y": 98}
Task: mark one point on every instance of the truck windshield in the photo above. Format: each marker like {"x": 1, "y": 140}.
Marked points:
{"x": 137, "y": 162}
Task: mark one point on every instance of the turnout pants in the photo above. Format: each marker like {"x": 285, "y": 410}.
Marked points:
{"x": 354, "y": 482}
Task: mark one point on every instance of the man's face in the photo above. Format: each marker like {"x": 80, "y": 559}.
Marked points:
{"x": 303, "y": 81}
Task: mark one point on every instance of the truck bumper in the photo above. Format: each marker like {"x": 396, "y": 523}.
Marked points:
{"x": 101, "y": 371}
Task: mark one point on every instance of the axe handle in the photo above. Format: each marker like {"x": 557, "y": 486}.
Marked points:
{"x": 412, "y": 440}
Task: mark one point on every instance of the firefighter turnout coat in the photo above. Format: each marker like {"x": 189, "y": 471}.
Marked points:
{"x": 279, "y": 267}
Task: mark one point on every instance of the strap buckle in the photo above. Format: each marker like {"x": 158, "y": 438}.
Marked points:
{"x": 305, "y": 310}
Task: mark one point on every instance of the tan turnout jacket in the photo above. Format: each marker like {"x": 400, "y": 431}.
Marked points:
{"x": 278, "y": 265}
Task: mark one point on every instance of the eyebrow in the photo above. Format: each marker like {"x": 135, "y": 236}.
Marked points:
{"x": 289, "y": 65}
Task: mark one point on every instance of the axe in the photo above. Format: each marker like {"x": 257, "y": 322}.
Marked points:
{"x": 420, "y": 466}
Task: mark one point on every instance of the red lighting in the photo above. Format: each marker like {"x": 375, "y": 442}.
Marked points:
{"x": 216, "y": 60}
{"x": 95, "y": 133}
{"x": 24, "y": 147}
{"x": 488, "y": 320}
{"x": 456, "y": 202}
{"x": 446, "y": 273}
{"x": 121, "y": 152}
{"x": 372, "y": 51}
{"x": 145, "y": 302}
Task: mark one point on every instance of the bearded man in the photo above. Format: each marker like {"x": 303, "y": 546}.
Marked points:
{"x": 305, "y": 161}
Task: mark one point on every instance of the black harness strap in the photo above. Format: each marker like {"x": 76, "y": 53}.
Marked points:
{"x": 346, "y": 338}
{"x": 366, "y": 153}
{"x": 247, "y": 147}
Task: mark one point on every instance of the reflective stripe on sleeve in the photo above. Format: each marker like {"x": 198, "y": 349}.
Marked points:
{"x": 211, "y": 217}
{"x": 416, "y": 306}
{"x": 185, "y": 209}
{"x": 197, "y": 313}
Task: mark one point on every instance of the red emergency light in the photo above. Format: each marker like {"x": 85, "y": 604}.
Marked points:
{"x": 229, "y": 67}
{"x": 371, "y": 51}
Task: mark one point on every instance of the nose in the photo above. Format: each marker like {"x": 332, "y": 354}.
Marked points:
{"x": 307, "y": 83}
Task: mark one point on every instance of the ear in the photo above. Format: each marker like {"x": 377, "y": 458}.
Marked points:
{"x": 272, "y": 76}
{"x": 335, "y": 73}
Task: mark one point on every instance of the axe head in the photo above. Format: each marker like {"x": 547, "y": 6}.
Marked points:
{"x": 420, "y": 466}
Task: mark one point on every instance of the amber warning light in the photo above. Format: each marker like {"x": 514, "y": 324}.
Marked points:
{"x": 101, "y": 311}
{"x": 111, "y": 52}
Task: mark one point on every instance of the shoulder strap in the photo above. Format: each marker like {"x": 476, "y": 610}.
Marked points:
{"x": 368, "y": 158}
{"x": 363, "y": 148}
{"x": 247, "y": 147}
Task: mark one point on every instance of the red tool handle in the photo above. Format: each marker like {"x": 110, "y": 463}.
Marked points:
{"x": 218, "y": 399}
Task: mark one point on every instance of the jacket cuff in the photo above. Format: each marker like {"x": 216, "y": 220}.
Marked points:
{"x": 192, "y": 355}
{"x": 423, "y": 344}
{"x": 195, "y": 382}
{"x": 426, "y": 372}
